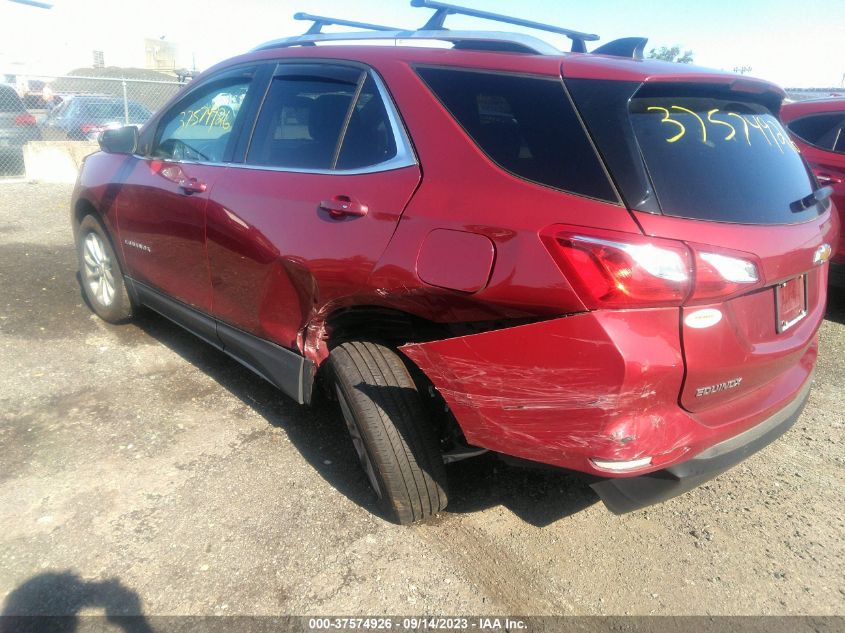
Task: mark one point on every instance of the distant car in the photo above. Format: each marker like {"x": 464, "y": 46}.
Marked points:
{"x": 17, "y": 128}
{"x": 818, "y": 128}
{"x": 83, "y": 117}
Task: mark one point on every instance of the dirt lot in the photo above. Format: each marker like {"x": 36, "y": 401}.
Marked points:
{"x": 142, "y": 470}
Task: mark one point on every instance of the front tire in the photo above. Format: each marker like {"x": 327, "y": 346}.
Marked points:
{"x": 100, "y": 273}
{"x": 395, "y": 441}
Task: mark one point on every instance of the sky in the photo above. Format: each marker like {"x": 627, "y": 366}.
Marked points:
{"x": 795, "y": 43}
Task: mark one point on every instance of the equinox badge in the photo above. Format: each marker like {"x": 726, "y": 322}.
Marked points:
{"x": 722, "y": 386}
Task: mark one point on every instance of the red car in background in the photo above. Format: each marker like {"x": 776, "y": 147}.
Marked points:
{"x": 818, "y": 128}
{"x": 589, "y": 260}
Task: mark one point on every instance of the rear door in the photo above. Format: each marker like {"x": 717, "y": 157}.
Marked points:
{"x": 723, "y": 177}
{"x": 302, "y": 221}
{"x": 823, "y": 136}
{"x": 162, "y": 205}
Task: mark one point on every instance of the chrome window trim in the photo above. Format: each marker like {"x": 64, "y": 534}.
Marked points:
{"x": 405, "y": 155}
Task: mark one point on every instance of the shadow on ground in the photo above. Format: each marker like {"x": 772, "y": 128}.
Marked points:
{"x": 51, "y": 603}
{"x": 538, "y": 497}
{"x": 43, "y": 299}
{"x": 835, "y": 305}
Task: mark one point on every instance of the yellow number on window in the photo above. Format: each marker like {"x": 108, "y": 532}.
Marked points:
{"x": 731, "y": 134}
{"x": 667, "y": 118}
{"x": 744, "y": 124}
{"x": 700, "y": 120}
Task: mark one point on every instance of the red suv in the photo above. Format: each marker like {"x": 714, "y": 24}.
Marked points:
{"x": 818, "y": 128}
{"x": 588, "y": 260}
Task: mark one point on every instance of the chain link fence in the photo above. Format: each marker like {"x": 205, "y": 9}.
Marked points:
{"x": 64, "y": 115}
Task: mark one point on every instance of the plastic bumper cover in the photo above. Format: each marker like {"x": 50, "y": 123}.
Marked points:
{"x": 622, "y": 495}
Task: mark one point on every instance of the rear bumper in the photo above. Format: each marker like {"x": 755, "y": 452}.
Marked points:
{"x": 596, "y": 386}
{"x": 632, "y": 493}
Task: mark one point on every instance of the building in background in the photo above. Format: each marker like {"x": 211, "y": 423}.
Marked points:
{"x": 160, "y": 54}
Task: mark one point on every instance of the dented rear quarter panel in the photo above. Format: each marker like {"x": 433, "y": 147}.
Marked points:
{"x": 595, "y": 384}
{"x": 601, "y": 384}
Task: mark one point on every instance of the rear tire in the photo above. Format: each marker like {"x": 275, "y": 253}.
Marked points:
{"x": 395, "y": 441}
{"x": 100, "y": 274}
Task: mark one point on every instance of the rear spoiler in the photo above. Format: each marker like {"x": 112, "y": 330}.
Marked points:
{"x": 632, "y": 47}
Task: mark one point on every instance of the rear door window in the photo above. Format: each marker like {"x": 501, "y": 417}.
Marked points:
{"x": 323, "y": 117}
{"x": 826, "y": 131}
{"x": 369, "y": 138}
{"x": 304, "y": 116}
{"x": 524, "y": 124}
{"x": 722, "y": 160}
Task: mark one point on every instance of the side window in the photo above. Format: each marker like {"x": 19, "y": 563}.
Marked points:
{"x": 200, "y": 127}
{"x": 822, "y": 130}
{"x": 369, "y": 138}
{"x": 305, "y": 112}
{"x": 524, "y": 124}
{"x": 318, "y": 116}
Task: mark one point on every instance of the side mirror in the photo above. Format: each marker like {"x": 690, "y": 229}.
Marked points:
{"x": 123, "y": 140}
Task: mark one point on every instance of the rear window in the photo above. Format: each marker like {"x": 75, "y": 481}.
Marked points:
{"x": 524, "y": 124}
{"x": 97, "y": 110}
{"x": 826, "y": 131}
{"x": 722, "y": 160}
{"x": 694, "y": 150}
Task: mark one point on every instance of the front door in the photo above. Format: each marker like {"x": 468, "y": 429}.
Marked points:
{"x": 162, "y": 205}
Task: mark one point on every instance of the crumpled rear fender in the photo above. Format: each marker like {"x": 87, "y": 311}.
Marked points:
{"x": 599, "y": 384}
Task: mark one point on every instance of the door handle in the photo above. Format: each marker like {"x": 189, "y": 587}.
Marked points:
{"x": 192, "y": 185}
{"x": 340, "y": 206}
{"x": 827, "y": 179}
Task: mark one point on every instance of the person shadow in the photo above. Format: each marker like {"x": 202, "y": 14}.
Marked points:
{"x": 51, "y": 602}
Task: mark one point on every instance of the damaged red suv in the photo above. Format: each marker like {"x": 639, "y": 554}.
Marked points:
{"x": 586, "y": 260}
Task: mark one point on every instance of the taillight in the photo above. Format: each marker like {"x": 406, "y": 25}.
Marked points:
{"x": 719, "y": 276}
{"x": 91, "y": 128}
{"x": 25, "y": 120}
{"x": 609, "y": 269}
{"x": 621, "y": 270}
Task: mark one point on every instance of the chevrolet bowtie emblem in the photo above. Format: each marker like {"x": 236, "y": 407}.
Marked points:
{"x": 822, "y": 254}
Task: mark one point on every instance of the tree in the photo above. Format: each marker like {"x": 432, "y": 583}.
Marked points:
{"x": 672, "y": 54}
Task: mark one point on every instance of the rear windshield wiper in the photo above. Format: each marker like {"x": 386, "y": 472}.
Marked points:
{"x": 819, "y": 196}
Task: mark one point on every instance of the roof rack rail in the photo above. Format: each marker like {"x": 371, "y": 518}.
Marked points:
{"x": 320, "y": 21}
{"x": 442, "y": 10}
{"x": 433, "y": 29}
{"x": 480, "y": 40}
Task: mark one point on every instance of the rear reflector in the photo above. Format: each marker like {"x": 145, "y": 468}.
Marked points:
{"x": 621, "y": 467}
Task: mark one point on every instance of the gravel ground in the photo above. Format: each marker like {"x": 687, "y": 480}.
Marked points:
{"x": 140, "y": 470}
